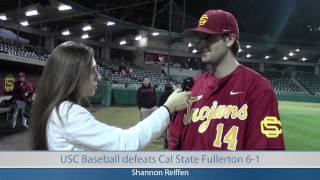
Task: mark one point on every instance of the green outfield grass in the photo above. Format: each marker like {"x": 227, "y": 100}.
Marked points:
{"x": 300, "y": 122}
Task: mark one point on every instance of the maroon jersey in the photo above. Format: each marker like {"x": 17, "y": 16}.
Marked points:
{"x": 23, "y": 90}
{"x": 146, "y": 97}
{"x": 237, "y": 112}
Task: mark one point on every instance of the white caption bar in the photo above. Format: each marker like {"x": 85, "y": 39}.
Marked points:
{"x": 167, "y": 159}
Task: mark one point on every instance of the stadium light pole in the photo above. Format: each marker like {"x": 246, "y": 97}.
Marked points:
{"x": 169, "y": 50}
{"x": 154, "y": 12}
{"x": 18, "y": 13}
{"x": 184, "y": 14}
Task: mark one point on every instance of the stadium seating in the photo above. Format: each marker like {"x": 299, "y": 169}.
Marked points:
{"x": 137, "y": 76}
{"x": 177, "y": 79}
{"x": 310, "y": 81}
{"x": 287, "y": 87}
{"x": 12, "y": 48}
{"x": 110, "y": 72}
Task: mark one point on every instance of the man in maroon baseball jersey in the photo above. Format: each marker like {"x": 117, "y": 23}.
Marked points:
{"x": 233, "y": 107}
{"x": 23, "y": 92}
{"x": 146, "y": 99}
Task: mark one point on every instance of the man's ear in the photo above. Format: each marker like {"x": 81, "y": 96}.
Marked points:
{"x": 230, "y": 39}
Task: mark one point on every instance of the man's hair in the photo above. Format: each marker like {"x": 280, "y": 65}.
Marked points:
{"x": 235, "y": 47}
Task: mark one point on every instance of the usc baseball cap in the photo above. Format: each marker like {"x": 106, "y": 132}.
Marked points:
{"x": 217, "y": 22}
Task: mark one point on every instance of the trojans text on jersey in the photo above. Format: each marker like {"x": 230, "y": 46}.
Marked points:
{"x": 216, "y": 111}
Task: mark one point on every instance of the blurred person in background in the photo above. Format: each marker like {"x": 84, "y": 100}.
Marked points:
{"x": 146, "y": 99}
{"x": 168, "y": 89}
{"x": 22, "y": 94}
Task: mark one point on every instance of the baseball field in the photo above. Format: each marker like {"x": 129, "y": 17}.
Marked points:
{"x": 300, "y": 122}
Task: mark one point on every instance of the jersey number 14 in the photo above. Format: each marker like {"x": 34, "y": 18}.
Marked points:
{"x": 230, "y": 138}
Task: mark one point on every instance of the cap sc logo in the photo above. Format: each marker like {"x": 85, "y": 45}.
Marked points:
{"x": 203, "y": 20}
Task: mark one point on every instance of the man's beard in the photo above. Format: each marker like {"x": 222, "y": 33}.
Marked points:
{"x": 217, "y": 60}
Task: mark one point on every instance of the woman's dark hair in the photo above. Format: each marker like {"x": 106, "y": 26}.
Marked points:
{"x": 64, "y": 78}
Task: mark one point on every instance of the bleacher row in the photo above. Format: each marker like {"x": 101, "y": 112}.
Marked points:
{"x": 109, "y": 71}
{"x": 287, "y": 87}
{"x": 310, "y": 81}
{"x": 16, "y": 49}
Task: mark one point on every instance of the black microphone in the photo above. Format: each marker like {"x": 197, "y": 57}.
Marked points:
{"x": 187, "y": 84}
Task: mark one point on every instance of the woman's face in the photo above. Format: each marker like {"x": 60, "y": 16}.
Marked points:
{"x": 94, "y": 78}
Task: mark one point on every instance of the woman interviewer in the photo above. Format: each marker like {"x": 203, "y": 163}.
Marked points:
{"x": 61, "y": 123}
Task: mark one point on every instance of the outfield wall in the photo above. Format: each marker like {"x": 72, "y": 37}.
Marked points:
{"x": 103, "y": 95}
{"x": 107, "y": 96}
{"x": 312, "y": 99}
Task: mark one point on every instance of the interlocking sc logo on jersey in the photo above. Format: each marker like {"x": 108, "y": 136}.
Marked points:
{"x": 203, "y": 20}
{"x": 271, "y": 127}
